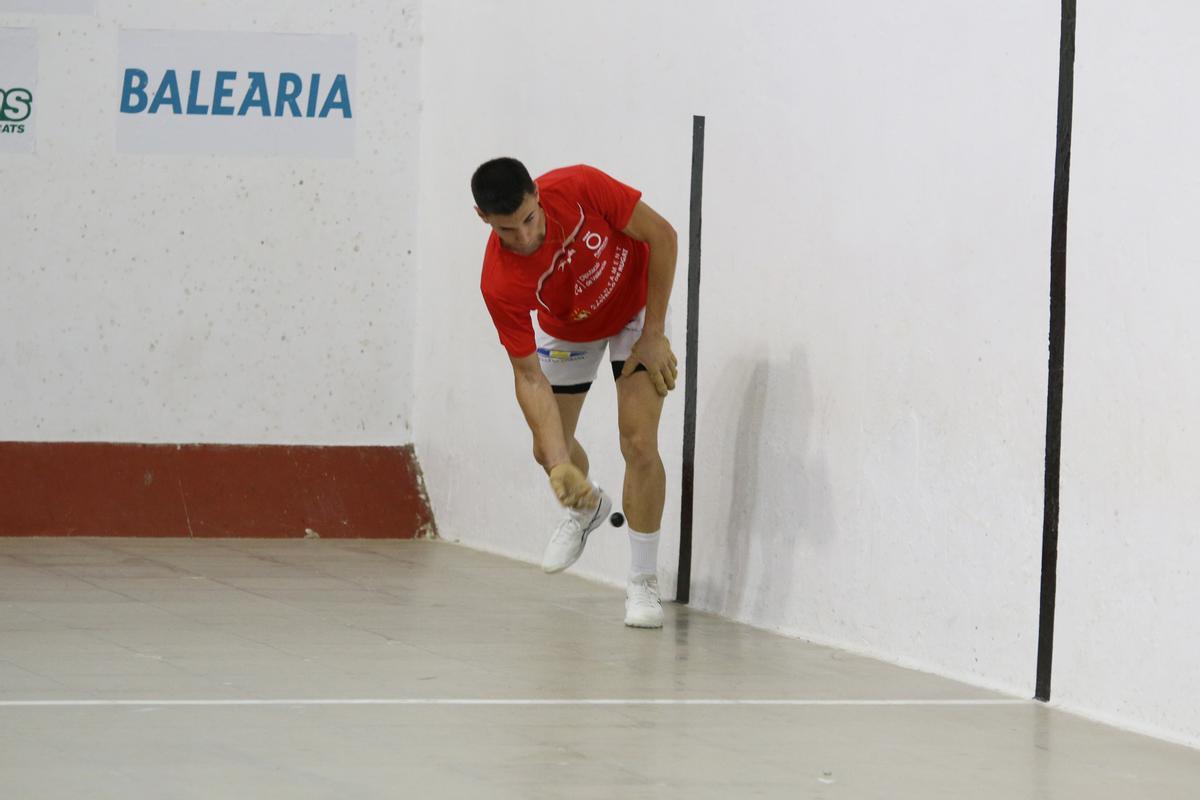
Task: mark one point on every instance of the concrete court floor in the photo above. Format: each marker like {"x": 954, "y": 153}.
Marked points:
{"x": 476, "y": 672}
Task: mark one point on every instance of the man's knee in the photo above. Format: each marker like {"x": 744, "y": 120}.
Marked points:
{"x": 639, "y": 446}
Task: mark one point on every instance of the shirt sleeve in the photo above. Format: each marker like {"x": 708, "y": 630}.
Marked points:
{"x": 614, "y": 200}
{"x": 513, "y": 325}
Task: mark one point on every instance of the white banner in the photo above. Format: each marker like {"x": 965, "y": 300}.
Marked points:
{"x": 48, "y": 6}
{"x": 18, "y": 89}
{"x": 235, "y": 94}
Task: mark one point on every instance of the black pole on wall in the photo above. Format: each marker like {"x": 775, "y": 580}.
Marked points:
{"x": 1058, "y": 304}
{"x": 684, "y": 587}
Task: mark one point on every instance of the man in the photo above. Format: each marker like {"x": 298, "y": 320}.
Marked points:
{"x": 596, "y": 264}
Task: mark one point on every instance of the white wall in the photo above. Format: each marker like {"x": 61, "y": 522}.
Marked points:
{"x": 198, "y": 299}
{"x": 872, "y": 365}
{"x": 1128, "y": 636}
{"x": 873, "y": 338}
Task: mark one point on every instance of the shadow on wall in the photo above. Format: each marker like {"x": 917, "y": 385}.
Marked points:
{"x": 776, "y": 503}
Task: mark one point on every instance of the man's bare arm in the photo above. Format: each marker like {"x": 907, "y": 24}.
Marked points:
{"x": 652, "y": 348}
{"x": 536, "y": 398}
{"x": 647, "y": 225}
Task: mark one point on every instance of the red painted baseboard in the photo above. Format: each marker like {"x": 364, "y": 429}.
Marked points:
{"x": 210, "y": 491}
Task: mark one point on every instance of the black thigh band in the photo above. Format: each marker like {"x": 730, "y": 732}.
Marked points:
{"x": 575, "y": 388}
{"x": 620, "y": 365}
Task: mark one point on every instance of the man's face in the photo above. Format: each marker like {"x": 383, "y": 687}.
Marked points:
{"x": 522, "y": 232}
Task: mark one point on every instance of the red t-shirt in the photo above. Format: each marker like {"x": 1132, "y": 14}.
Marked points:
{"x": 586, "y": 281}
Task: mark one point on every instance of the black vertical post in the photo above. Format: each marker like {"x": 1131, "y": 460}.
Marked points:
{"x": 1058, "y": 304}
{"x": 684, "y": 587}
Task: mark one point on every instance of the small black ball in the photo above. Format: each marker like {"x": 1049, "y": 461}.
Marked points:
{"x": 617, "y": 519}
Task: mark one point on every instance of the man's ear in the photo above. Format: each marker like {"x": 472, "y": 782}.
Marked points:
{"x": 482, "y": 215}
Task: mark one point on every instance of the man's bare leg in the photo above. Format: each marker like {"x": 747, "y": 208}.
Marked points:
{"x": 570, "y": 537}
{"x": 639, "y": 409}
{"x": 569, "y": 408}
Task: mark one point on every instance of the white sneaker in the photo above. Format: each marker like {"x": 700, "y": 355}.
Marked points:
{"x": 566, "y": 545}
{"x": 643, "y": 609}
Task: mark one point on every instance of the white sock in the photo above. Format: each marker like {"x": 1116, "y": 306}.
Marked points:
{"x": 584, "y": 514}
{"x": 643, "y": 550}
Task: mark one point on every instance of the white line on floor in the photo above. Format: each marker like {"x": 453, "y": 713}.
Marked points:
{"x": 466, "y": 701}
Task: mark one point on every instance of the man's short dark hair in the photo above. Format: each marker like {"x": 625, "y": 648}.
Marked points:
{"x": 500, "y": 186}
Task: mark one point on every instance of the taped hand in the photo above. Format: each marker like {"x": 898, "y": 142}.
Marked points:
{"x": 570, "y": 485}
{"x": 653, "y": 351}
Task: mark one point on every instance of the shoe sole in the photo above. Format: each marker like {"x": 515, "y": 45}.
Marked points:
{"x": 595, "y": 522}
{"x": 643, "y": 626}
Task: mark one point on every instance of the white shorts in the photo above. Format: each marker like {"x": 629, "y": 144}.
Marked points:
{"x": 571, "y": 367}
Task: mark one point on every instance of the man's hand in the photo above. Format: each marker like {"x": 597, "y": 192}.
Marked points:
{"x": 654, "y": 351}
{"x": 570, "y": 485}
